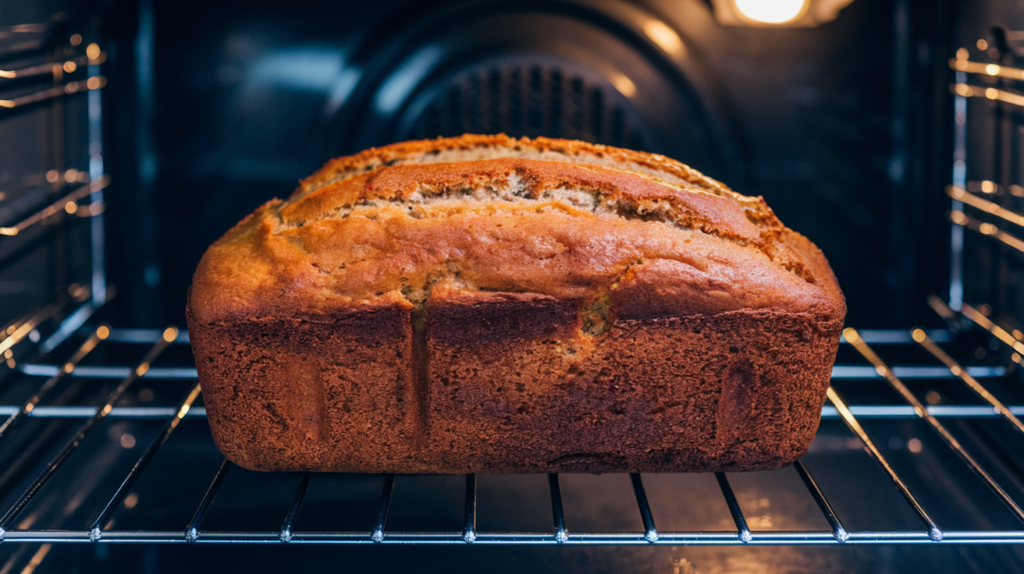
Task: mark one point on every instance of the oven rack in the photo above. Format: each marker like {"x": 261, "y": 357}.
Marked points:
{"x": 48, "y": 370}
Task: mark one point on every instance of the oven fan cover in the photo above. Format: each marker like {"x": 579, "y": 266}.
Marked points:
{"x": 577, "y": 70}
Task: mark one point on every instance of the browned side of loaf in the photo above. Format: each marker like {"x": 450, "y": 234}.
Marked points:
{"x": 511, "y": 387}
{"x": 288, "y": 394}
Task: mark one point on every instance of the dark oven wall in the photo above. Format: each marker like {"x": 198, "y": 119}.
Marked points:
{"x": 842, "y": 128}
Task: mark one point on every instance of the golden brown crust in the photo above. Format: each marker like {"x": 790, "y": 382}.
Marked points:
{"x": 448, "y": 294}
{"x": 552, "y": 150}
{"x": 516, "y": 225}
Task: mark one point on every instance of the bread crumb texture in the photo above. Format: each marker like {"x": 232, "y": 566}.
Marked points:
{"x": 490, "y": 304}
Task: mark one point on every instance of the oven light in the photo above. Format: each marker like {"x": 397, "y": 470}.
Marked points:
{"x": 772, "y": 11}
{"x": 777, "y": 13}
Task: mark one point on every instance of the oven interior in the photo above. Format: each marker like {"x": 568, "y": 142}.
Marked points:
{"x": 134, "y": 133}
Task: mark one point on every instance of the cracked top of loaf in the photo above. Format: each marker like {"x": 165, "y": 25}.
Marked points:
{"x": 628, "y": 234}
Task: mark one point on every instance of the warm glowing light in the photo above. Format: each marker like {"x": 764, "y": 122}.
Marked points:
{"x": 988, "y": 229}
{"x": 1017, "y": 334}
{"x": 52, "y": 176}
{"x": 68, "y": 367}
{"x": 982, "y": 44}
{"x": 882, "y": 371}
{"x": 962, "y": 54}
{"x": 958, "y": 217}
{"x": 914, "y": 445}
{"x": 988, "y": 186}
{"x": 956, "y": 370}
{"x": 851, "y": 335}
{"x": 1016, "y": 358}
{"x": 183, "y": 411}
{"x": 127, "y": 441}
{"x": 71, "y": 175}
{"x": 771, "y": 11}
{"x": 918, "y": 335}
{"x": 624, "y": 85}
{"x": 992, "y": 70}
{"x": 71, "y": 207}
{"x": 70, "y": 66}
{"x": 991, "y": 93}
{"x": 141, "y": 369}
{"x": 103, "y": 332}
{"x": 170, "y": 333}
{"x": 94, "y": 83}
{"x": 664, "y": 37}
{"x": 93, "y": 51}
{"x": 964, "y": 90}
{"x": 76, "y": 39}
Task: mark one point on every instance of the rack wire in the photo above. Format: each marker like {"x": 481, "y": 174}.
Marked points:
{"x": 561, "y": 533}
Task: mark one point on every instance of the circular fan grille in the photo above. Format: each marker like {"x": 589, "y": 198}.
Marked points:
{"x": 531, "y": 100}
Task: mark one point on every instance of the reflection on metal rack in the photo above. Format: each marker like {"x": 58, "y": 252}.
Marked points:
{"x": 101, "y": 529}
{"x": 997, "y": 331}
{"x": 964, "y": 220}
{"x": 67, "y": 204}
{"x": 956, "y": 369}
{"x": 93, "y": 83}
{"x": 994, "y": 70}
{"x": 76, "y": 441}
{"x": 734, "y": 508}
{"x": 933, "y": 530}
{"x": 68, "y": 367}
{"x": 69, "y": 66}
{"x": 960, "y": 194}
{"x": 1006, "y": 96}
{"x": 919, "y": 409}
{"x": 989, "y": 187}
{"x": 469, "y": 524}
{"x": 96, "y": 531}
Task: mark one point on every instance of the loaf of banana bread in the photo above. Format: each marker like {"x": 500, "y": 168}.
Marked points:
{"x": 490, "y": 304}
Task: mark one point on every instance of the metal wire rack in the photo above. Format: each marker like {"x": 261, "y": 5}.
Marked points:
{"x": 51, "y": 370}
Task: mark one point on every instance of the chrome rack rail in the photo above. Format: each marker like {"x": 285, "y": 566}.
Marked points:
{"x": 93, "y": 57}
{"x": 989, "y": 229}
{"x": 101, "y": 530}
{"x": 985, "y": 205}
{"x": 67, "y": 204}
{"x": 995, "y": 76}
